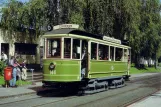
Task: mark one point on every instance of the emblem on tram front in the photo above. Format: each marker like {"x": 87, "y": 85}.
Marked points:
{"x": 112, "y": 68}
{"x": 52, "y": 68}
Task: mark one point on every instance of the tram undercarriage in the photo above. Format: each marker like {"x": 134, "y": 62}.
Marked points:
{"x": 88, "y": 86}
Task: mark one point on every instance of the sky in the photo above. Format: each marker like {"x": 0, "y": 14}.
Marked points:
{"x": 2, "y": 3}
{"x": 23, "y": 0}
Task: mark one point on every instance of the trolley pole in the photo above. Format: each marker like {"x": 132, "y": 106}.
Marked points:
{"x": 33, "y": 83}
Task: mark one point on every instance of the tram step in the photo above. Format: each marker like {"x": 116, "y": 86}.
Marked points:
{"x": 38, "y": 80}
{"x": 37, "y": 77}
{"x": 30, "y": 74}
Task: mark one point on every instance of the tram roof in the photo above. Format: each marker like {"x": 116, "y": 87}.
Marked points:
{"x": 74, "y": 31}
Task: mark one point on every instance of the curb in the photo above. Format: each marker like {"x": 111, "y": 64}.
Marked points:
{"x": 22, "y": 94}
{"x": 3, "y": 97}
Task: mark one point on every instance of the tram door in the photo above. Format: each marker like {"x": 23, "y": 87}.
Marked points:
{"x": 84, "y": 61}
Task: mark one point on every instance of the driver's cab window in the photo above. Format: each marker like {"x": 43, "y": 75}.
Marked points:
{"x": 84, "y": 49}
{"x": 125, "y": 55}
{"x": 67, "y": 47}
{"x": 54, "y": 48}
{"x": 76, "y": 49}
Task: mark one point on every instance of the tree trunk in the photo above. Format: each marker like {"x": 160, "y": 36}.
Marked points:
{"x": 37, "y": 57}
{"x": 155, "y": 59}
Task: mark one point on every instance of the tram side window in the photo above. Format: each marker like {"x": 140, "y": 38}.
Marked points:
{"x": 76, "y": 49}
{"x": 125, "y": 55}
{"x": 111, "y": 54}
{"x": 93, "y": 51}
{"x": 53, "y": 48}
{"x": 103, "y": 52}
{"x": 67, "y": 47}
{"x": 84, "y": 49}
{"x": 119, "y": 54}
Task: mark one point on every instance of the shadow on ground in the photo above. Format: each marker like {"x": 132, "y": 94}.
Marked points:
{"x": 45, "y": 92}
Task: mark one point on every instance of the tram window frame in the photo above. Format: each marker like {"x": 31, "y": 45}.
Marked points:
{"x": 84, "y": 48}
{"x": 125, "y": 55}
{"x": 69, "y": 48}
{"x": 76, "y": 49}
{"x": 118, "y": 54}
{"x": 112, "y": 53}
{"x": 105, "y": 52}
{"x": 48, "y": 45}
{"x": 94, "y": 51}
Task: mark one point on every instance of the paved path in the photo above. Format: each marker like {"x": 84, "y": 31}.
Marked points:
{"x": 152, "y": 101}
{"x": 133, "y": 76}
{"x": 21, "y": 90}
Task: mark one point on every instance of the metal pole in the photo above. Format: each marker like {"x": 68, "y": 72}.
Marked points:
{"x": 33, "y": 83}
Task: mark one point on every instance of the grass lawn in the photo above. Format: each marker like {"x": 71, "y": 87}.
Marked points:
{"x": 1, "y": 80}
{"x": 134, "y": 70}
{"x": 23, "y": 82}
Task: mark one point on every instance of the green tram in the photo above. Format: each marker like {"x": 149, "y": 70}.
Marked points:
{"x": 72, "y": 56}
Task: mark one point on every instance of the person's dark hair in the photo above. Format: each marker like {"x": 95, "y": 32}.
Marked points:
{"x": 15, "y": 61}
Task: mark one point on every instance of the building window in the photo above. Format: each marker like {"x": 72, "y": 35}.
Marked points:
{"x": 25, "y": 48}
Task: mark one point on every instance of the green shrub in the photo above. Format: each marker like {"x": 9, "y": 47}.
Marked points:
{"x": 2, "y": 66}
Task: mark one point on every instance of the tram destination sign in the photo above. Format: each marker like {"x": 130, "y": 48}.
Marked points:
{"x": 109, "y": 39}
{"x": 67, "y": 26}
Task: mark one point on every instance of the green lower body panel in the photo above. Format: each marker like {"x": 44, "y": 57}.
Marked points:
{"x": 64, "y": 70}
{"x": 61, "y": 78}
{"x": 99, "y": 69}
{"x": 70, "y": 70}
{"x": 100, "y": 75}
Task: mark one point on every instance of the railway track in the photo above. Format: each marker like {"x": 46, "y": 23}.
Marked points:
{"x": 145, "y": 78}
{"x": 149, "y": 81}
{"x": 129, "y": 102}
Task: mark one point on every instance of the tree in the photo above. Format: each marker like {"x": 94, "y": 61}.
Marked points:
{"x": 10, "y": 19}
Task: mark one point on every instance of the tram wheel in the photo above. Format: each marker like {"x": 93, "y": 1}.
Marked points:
{"x": 81, "y": 92}
{"x": 115, "y": 83}
{"x": 95, "y": 85}
{"x": 106, "y": 86}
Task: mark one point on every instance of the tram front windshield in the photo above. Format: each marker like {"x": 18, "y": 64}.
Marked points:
{"x": 54, "y": 48}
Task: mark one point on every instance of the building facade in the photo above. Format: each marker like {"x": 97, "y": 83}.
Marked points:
{"x": 22, "y": 50}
